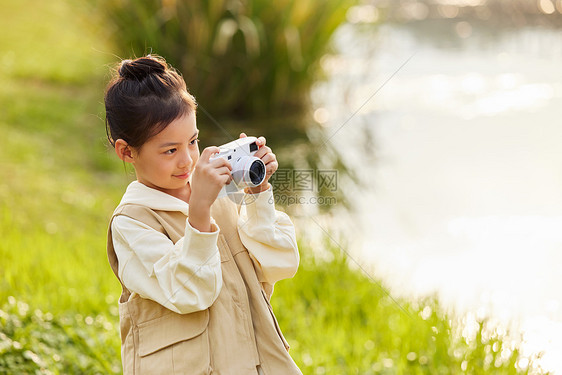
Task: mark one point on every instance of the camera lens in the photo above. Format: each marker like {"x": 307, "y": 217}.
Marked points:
{"x": 257, "y": 172}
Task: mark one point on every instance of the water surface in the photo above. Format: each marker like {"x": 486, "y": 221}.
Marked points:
{"x": 462, "y": 148}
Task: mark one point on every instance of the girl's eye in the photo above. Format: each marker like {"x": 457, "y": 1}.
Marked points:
{"x": 194, "y": 141}
{"x": 170, "y": 151}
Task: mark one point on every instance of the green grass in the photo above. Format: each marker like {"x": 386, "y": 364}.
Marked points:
{"x": 58, "y": 187}
{"x": 340, "y": 322}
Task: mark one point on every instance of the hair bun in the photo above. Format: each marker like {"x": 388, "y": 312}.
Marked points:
{"x": 142, "y": 67}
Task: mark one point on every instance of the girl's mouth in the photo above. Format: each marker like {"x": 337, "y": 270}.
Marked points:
{"x": 182, "y": 176}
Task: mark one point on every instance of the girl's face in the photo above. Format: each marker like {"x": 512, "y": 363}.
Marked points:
{"x": 166, "y": 160}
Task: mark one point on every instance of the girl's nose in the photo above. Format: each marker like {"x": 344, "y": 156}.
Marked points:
{"x": 185, "y": 160}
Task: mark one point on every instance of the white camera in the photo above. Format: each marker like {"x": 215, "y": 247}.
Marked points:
{"x": 247, "y": 170}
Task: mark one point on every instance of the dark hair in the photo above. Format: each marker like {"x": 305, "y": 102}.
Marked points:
{"x": 144, "y": 97}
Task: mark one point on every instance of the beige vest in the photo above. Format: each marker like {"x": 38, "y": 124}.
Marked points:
{"x": 232, "y": 337}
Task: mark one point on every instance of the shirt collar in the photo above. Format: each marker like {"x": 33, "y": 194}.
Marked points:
{"x": 139, "y": 193}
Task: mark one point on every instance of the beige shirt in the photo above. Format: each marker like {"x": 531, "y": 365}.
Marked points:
{"x": 186, "y": 276}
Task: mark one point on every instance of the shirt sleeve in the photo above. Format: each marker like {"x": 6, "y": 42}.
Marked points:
{"x": 184, "y": 276}
{"x": 269, "y": 236}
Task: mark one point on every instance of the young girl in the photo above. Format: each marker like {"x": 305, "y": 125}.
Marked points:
{"x": 197, "y": 272}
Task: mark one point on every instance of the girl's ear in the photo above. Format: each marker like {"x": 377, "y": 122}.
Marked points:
{"x": 123, "y": 151}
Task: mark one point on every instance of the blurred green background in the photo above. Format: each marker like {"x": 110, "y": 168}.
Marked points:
{"x": 251, "y": 65}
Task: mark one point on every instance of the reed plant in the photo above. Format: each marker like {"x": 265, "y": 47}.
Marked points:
{"x": 241, "y": 59}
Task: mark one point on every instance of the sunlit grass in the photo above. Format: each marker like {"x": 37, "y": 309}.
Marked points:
{"x": 56, "y": 178}
{"x": 341, "y": 322}
{"x": 57, "y": 41}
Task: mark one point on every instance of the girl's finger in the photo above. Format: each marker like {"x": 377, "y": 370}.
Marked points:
{"x": 225, "y": 179}
{"x": 221, "y": 162}
{"x": 243, "y": 135}
{"x": 268, "y": 158}
{"x": 263, "y": 151}
{"x": 223, "y": 171}
{"x": 271, "y": 168}
{"x": 208, "y": 152}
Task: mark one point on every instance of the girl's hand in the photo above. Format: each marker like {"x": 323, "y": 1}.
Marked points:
{"x": 209, "y": 176}
{"x": 269, "y": 159}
